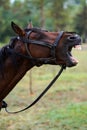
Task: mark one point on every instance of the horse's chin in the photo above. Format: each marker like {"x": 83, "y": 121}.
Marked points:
{"x": 71, "y": 61}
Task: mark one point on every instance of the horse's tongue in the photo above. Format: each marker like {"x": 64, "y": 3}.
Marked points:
{"x": 78, "y": 47}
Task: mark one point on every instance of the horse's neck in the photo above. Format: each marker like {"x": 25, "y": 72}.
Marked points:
{"x": 11, "y": 76}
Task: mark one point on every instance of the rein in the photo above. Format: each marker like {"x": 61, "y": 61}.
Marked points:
{"x": 40, "y": 96}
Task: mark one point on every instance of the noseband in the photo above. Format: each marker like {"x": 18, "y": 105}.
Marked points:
{"x": 40, "y": 61}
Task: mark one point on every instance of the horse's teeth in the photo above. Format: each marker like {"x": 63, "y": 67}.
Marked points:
{"x": 78, "y": 47}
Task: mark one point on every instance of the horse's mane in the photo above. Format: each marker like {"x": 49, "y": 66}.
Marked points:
{"x": 3, "y": 56}
{"x": 5, "y": 53}
{"x": 4, "y": 50}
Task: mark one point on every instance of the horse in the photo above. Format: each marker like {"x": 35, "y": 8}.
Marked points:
{"x": 34, "y": 47}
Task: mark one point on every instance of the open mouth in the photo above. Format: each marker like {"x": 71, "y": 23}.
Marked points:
{"x": 73, "y": 42}
{"x": 72, "y": 61}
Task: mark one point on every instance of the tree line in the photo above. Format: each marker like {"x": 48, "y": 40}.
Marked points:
{"x": 53, "y": 15}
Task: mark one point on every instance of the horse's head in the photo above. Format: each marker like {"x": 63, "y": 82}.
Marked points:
{"x": 32, "y": 47}
{"x": 48, "y": 47}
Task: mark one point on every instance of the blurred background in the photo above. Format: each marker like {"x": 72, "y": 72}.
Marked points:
{"x": 64, "y": 107}
{"x": 70, "y": 15}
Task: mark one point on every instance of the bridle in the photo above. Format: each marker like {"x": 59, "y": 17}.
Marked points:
{"x": 52, "y": 47}
{"x": 38, "y": 62}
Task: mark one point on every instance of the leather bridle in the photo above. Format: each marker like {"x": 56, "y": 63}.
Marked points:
{"x": 52, "y": 47}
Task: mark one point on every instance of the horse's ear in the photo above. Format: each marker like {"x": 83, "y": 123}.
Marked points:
{"x": 17, "y": 29}
{"x": 30, "y": 25}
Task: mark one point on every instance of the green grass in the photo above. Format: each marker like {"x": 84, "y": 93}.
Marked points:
{"x": 72, "y": 117}
{"x": 64, "y": 107}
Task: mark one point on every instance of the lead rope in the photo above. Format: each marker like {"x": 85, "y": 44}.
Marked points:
{"x": 41, "y": 95}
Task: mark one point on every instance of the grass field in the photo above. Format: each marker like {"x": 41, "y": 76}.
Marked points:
{"x": 64, "y": 107}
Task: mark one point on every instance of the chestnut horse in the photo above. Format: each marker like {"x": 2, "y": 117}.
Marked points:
{"x": 33, "y": 47}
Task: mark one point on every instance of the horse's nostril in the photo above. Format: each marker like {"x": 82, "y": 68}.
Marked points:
{"x": 71, "y": 38}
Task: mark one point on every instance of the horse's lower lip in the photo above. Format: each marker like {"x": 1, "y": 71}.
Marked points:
{"x": 71, "y": 61}
{"x": 74, "y": 60}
